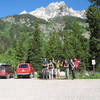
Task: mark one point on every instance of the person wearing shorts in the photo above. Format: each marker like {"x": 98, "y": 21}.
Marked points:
{"x": 51, "y": 70}
{"x": 58, "y": 69}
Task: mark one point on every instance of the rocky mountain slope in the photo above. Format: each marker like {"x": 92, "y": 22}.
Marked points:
{"x": 55, "y": 16}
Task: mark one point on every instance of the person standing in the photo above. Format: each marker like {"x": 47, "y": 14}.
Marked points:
{"x": 57, "y": 70}
{"x": 76, "y": 64}
{"x": 44, "y": 68}
{"x": 51, "y": 70}
{"x": 66, "y": 66}
{"x": 47, "y": 71}
{"x": 73, "y": 68}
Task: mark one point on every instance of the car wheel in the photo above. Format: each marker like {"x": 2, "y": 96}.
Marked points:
{"x": 18, "y": 76}
{"x": 31, "y": 76}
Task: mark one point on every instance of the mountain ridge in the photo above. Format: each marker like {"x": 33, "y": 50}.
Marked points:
{"x": 55, "y": 9}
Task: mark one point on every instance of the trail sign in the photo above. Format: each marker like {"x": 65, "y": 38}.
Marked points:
{"x": 93, "y": 62}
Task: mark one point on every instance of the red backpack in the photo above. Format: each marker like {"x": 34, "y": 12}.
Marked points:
{"x": 76, "y": 63}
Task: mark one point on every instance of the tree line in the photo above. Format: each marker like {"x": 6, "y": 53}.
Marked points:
{"x": 33, "y": 47}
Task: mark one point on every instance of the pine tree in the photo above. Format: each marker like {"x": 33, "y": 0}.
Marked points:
{"x": 34, "y": 51}
{"x": 68, "y": 48}
{"x": 93, "y": 18}
{"x": 10, "y": 57}
{"x": 54, "y": 48}
{"x": 22, "y": 48}
{"x": 76, "y": 46}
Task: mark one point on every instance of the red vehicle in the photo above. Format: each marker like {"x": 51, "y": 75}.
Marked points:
{"x": 6, "y": 70}
{"x": 25, "y": 69}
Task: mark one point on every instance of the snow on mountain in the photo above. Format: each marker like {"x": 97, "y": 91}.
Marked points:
{"x": 40, "y": 13}
{"x": 56, "y": 9}
{"x": 24, "y": 12}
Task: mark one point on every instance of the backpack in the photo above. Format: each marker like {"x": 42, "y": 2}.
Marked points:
{"x": 76, "y": 64}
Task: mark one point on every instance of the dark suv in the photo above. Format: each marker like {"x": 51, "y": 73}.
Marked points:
{"x": 6, "y": 70}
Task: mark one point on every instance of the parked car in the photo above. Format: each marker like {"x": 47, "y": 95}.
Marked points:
{"x": 25, "y": 69}
{"x": 6, "y": 70}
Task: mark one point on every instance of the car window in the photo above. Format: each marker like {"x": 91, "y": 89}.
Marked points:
{"x": 23, "y": 66}
{"x": 1, "y": 68}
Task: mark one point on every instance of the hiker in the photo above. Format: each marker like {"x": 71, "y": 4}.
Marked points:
{"x": 54, "y": 69}
{"x": 66, "y": 66}
{"x": 44, "y": 69}
{"x": 51, "y": 69}
{"x": 76, "y": 63}
{"x": 57, "y": 70}
{"x": 73, "y": 68}
{"x": 47, "y": 71}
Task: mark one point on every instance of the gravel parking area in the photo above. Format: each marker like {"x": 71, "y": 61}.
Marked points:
{"x": 35, "y": 89}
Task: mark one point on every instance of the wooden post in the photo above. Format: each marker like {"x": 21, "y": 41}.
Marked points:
{"x": 94, "y": 68}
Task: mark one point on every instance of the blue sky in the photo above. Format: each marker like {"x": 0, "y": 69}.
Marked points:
{"x": 11, "y": 7}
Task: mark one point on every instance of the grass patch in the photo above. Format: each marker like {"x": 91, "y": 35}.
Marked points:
{"x": 79, "y": 75}
{"x": 90, "y": 75}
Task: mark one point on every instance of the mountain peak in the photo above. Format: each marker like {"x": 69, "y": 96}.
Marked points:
{"x": 56, "y": 6}
{"x": 57, "y": 3}
{"x": 55, "y": 9}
